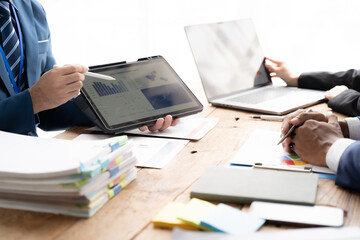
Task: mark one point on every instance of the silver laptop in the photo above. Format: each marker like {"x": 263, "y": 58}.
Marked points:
{"x": 232, "y": 69}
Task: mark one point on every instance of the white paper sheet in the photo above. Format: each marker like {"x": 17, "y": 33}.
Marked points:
{"x": 345, "y": 233}
{"x": 187, "y": 128}
{"x": 26, "y": 156}
{"x": 150, "y": 152}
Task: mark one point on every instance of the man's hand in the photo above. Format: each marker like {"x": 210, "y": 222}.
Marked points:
{"x": 313, "y": 139}
{"x": 297, "y": 118}
{"x": 335, "y": 91}
{"x": 161, "y": 124}
{"x": 57, "y": 86}
{"x": 281, "y": 70}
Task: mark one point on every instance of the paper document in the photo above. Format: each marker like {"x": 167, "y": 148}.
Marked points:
{"x": 188, "y": 128}
{"x": 319, "y": 216}
{"x": 227, "y": 219}
{"x": 345, "y": 233}
{"x": 26, "y": 156}
{"x": 261, "y": 147}
{"x": 150, "y": 152}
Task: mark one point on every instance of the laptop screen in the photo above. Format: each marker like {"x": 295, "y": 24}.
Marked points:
{"x": 228, "y": 56}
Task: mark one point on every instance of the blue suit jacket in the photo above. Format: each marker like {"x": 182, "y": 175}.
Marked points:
{"x": 348, "y": 172}
{"x": 16, "y": 111}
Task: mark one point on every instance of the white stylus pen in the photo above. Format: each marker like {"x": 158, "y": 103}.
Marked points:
{"x": 95, "y": 75}
{"x": 268, "y": 117}
{"x": 98, "y": 75}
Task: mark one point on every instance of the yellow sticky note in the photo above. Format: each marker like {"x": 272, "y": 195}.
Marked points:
{"x": 194, "y": 211}
{"x": 167, "y": 217}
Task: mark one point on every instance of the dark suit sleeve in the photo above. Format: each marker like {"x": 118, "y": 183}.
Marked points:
{"x": 347, "y": 102}
{"x": 62, "y": 117}
{"x": 326, "y": 80}
{"x": 348, "y": 172}
{"x": 17, "y": 114}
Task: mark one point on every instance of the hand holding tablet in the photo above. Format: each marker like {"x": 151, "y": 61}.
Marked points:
{"x": 144, "y": 92}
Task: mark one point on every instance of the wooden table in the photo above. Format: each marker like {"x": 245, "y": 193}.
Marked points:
{"x": 129, "y": 214}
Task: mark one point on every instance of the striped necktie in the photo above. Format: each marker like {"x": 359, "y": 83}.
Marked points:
{"x": 9, "y": 39}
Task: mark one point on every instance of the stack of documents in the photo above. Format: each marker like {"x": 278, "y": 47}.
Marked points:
{"x": 63, "y": 177}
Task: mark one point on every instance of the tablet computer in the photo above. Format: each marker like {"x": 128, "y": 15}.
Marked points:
{"x": 143, "y": 91}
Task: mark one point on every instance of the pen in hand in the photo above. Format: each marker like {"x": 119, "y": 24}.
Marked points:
{"x": 95, "y": 75}
{"x": 290, "y": 131}
{"x": 98, "y": 75}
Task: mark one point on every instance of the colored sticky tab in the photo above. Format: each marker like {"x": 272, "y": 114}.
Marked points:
{"x": 114, "y": 146}
{"x": 114, "y": 170}
{"x": 224, "y": 218}
{"x": 110, "y": 193}
{"x": 194, "y": 211}
{"x": 120, "y": 141}
{"x": 117, "y": 189}
{"x": 167, "y": 217}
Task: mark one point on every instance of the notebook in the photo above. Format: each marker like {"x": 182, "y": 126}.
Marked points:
{"x": 244, "y": 185}
{"x": 232, "y": 69}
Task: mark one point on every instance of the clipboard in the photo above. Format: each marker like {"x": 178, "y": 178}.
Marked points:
{"x": 245, "y": 185}
{"x": 272, "y": 156}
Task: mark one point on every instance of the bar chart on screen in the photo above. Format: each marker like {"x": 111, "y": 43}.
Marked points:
{"x": 104, "y": 89}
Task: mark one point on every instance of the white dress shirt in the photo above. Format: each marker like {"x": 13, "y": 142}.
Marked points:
{"x": 337, "y": 149}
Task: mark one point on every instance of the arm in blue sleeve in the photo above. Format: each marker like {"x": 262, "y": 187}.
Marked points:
{"x": 17, "y": 114}
{"x": 63, "y": 117}
{"x": 348, "y": 172}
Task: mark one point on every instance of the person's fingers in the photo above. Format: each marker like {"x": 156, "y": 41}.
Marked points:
{"x": 292, "y": 147}
{"x": 157, "y": 125}
{"x": 303, "y": 117}
{"x": 167, "y": 123}
{"x": 69, "y": 69}
{"x": 333, "y": 120}
{"x": 143, "y": 128}
{"x": 72, "y": 78}
{"x": 274, "y": 61}
{"x": 286, "y": 124}
{"x": 327, "y": 95}
{"x": 286, "y": 145}
{"x": 175, "y": 121}
{"x": 75, "y": 86}
{"x": 161, "y": 124}
{"x": 272, "y": 68}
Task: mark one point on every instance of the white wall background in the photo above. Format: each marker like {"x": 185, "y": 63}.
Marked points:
{"x": 308, "y": 34}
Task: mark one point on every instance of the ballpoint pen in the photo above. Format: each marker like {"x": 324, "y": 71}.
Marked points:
{"x": 291, "y": 130}
{"x": 268, "y": 117}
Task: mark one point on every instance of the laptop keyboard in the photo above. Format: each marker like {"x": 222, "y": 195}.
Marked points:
{"x": 262, "y": 95}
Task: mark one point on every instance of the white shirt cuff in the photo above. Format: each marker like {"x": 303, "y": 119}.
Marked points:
{"x": 335, "y": 151}
{"x": 354, "y": 127}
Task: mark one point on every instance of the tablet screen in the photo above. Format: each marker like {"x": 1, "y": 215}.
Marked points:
{"x": 143, "y": 91}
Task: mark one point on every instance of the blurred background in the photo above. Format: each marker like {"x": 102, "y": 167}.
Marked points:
{"x": 308, "y": 34}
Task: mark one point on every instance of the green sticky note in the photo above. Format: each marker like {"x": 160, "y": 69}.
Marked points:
{"x": 194, "y": 211}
